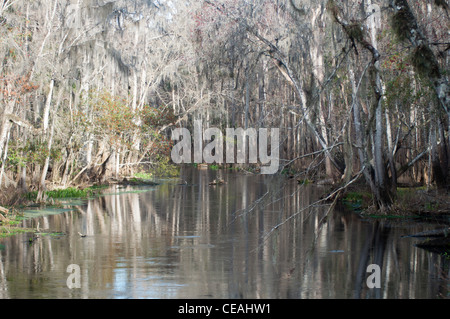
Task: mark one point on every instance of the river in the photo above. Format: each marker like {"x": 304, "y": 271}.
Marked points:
{"x": 254, "y": 237}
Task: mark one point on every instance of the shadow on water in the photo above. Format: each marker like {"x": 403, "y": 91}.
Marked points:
{"x": 194, "y": 240}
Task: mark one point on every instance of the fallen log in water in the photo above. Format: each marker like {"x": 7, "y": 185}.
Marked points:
{"x": 436, "y": 244}
{"x": 436, "y": 240}
{"x": 445, "y": 232}
{"x": 137, "y": 182}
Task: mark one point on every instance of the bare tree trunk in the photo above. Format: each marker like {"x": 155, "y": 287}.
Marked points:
{"x": 348, "y": 154}
{"x": 65, "y": 176}
{"x": 48, "y": 103}
{"x": 383, "y": 198}
{"x": 247, "y": 97}
{"x": 392, "y": 168}
{"x": 42, "y": 186}
{"x": 360, "y": 140}
{"x": 23, "y": 179}
{"x": 5, "y": 125}
{"x": 2, "y": 169}
{"x": 262, "y": 94}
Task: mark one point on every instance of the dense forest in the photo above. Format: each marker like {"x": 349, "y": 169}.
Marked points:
{"x": 91, "y": 89}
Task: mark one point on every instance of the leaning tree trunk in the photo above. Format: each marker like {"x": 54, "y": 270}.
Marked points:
{"x": 378, "y": 183}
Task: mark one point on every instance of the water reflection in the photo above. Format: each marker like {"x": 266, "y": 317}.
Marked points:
{"x": 202, "y": 241}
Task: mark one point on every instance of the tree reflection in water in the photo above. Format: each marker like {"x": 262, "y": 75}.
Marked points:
{"x": 200, "y": 241}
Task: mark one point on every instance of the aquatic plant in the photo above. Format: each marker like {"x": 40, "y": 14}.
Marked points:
{"x": 10, "y": 227}
{"x": 70, "y": 192}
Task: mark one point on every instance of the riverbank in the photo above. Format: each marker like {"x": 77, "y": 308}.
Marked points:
{"x": 409, "y": 202}
{"x": 11, "y": 218}
{"x": 417, "y": 204}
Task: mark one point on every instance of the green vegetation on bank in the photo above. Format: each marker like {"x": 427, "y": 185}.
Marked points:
{"x": 71, "y": 192}
{"x": 410, "y": 202}
{"x": 11, "y": 218}
{"x": 142, "y": 175}
{"x": 165, "y": 168}
{"x": 11, "y": 226}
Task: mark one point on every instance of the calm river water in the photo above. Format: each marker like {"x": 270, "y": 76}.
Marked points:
{"x": 202, "y": 241}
